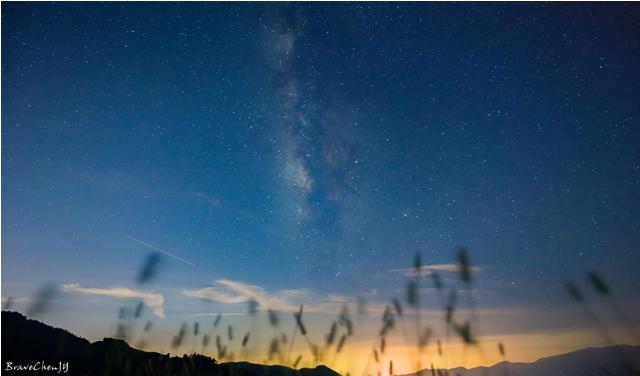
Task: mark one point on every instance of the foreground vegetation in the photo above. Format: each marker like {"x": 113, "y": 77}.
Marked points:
{"x": 221, "y": 339}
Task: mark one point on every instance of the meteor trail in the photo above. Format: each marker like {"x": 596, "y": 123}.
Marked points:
{"x": 159, "y": 250}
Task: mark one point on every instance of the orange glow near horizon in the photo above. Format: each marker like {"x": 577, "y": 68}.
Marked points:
{"x": 358, "y": 355}
{"x": 519, "y": 348}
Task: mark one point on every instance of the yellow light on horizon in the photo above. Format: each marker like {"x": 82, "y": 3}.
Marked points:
{"x": 357, "y": 357}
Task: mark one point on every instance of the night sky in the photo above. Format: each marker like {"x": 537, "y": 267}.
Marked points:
{"x": 304, "y": 153}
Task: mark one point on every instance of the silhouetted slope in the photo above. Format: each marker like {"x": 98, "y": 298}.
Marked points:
{"x": 620, "y": 360}
{"x": 26, "y": 341}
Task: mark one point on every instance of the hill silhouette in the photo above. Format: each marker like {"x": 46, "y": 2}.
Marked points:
{"x": 622, "y": 360}
{"x": 26, "y": 341}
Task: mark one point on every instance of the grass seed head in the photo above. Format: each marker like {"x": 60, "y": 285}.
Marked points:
{"x": 464, "y": 331}
{"x": 42, "y": 300}
{"x": 437, "y": 280}
{"x": 417, "y": 264}
{"x": 274, "y": 318}
{"x": 501, "y": 349}
{"x": 8, "y": 304}
{"x": 598, "y": 283}
{"x": 464, "y": 265}
{"x": 274, "y": 348}
{"x": 149, "y": 268}
{"x": 574, "y": 292}
{"x": 252, "y": 307}
{"x": 424, "y": 337}
{"x": 341, "y": 343}
{"x": 298, "y": 317}
{"x": 332, "y": 333}
{"x": 397, "y": 306}
{"x": 412, "y": 293}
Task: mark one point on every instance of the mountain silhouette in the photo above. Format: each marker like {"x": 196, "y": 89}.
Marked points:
{"x": 622, "y": 360}
{"x": 26, "y": 341}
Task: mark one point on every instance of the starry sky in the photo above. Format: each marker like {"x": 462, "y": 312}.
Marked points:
{"x": 304, "y": 153}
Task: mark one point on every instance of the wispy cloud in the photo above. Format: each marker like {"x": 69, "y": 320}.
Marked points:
{"x": 428, "y": 269}
{"x": 228, "y": 291}
{"x": 154, "y": 301}
{"x": 213, "y": 201}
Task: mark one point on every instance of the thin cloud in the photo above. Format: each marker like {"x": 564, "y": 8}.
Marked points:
{"x": 213, "y": 314}
{"x": 153, "y": 300}
{"x": 439, "y": 268}
{"x": 228, "y": 291}
{"x": 213, "y": 202}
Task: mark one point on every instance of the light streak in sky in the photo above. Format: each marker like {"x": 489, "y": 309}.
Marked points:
{"x": 160, "y": 250}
